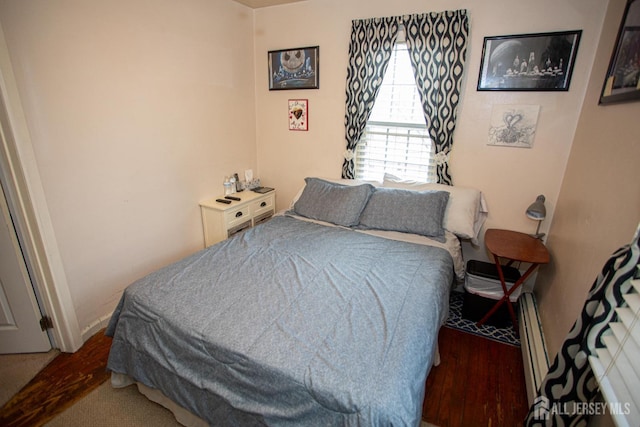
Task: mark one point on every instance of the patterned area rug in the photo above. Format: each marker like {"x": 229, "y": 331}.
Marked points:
{"x": 505, "y": 335}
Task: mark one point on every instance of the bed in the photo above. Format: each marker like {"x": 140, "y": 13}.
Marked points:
{"x": 328, "y": 314}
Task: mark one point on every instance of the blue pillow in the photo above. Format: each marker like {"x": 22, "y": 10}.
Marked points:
{"x": 407, "y": 211}
{"x": 330, "y": 202}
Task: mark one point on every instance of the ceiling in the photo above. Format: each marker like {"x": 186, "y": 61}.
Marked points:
{"x": 255, "y": 4}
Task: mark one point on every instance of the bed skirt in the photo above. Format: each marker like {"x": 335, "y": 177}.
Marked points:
{"x": 181, "y": 415}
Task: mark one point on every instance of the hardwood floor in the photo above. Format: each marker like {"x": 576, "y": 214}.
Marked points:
{"x": 64, "y": 381}
{"x": 478, "y": 383}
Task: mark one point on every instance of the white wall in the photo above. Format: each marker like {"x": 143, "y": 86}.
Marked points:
{"x": 137, "y": 110}
{"x": 599, "y": 205}
{"x": 511, "y": 178}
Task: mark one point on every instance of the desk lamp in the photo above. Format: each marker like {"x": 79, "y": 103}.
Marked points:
{"x": 537, "y": 212}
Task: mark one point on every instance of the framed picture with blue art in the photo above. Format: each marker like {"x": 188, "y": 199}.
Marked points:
{"x": 297, "y": 68}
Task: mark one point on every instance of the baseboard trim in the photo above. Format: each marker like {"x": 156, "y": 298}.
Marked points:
{"x": 95, "y": 326}
{"x": 534, "y": 348}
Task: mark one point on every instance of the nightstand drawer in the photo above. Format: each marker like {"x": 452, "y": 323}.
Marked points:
{"x": 259, "y": 219}
{"x": 239, "y": 228}
{"x": 264, "y": 205}
{"x": 237, "y": 216}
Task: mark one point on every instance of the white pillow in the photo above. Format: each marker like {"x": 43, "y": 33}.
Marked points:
{"x": 465, "y": 212}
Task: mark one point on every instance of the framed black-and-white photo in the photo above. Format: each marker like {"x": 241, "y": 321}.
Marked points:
{"x": 529, "y": 62}
{"x": 622, "y": 82}
{"x": 297, "y": 68}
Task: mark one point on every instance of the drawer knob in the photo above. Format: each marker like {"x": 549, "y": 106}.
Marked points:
{"x": 263, "y": 204}
{"x": 239, "y": 214}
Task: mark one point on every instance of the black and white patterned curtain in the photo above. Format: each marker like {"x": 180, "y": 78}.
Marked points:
{"x": 437, "y": 44}
{"x": 372, "y": 41}
{"x": 570, "y": 381}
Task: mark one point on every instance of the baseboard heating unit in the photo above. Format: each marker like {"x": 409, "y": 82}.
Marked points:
{"x": 534, "y": 350}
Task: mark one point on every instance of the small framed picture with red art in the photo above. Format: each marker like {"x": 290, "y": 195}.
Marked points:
{"x": 298, "y": 114}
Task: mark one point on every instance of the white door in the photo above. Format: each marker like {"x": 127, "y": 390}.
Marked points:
{"x": 20, "y": 330}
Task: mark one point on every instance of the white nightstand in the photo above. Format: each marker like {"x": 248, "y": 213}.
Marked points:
{"x": 220, "y": 221}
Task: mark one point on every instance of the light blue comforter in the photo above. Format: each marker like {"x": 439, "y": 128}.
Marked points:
{"x": 289, "y": 324}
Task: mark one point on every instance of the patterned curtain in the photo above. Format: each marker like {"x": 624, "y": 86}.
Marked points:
{"x": 372, "y": 41}
{"x": 570, "y": 380}
{"x": 437, "y": 44}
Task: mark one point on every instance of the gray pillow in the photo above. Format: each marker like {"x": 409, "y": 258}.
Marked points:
{"x": 417, "y": 212}
{"x": 335, "y": 203}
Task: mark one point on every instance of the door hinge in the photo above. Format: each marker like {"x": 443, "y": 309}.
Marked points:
{"x": 46, "y": 323}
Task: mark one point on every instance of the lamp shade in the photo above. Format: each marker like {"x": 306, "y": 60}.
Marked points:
{"x": 537, "y": 210}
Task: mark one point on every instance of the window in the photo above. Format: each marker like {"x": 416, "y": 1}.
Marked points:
{"x": 616, "y": 366}
{"x": 396, "y": 139}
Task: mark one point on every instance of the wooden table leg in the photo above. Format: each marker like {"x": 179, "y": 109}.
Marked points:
{"x": 507, "y": 293}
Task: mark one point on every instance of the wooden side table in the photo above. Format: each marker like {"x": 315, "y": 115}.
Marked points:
{"x": 513, "y": 246}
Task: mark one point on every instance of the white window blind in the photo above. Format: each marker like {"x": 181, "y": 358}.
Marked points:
{"x": 396, "y": 139}
{"x": 617, "y": 367}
